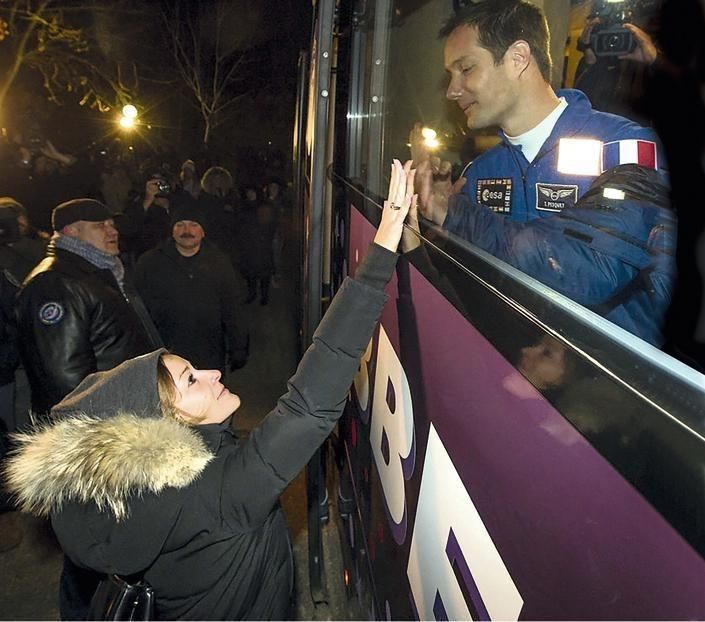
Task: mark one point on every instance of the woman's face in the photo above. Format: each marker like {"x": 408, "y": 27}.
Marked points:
{"x": 201, "y": 395}
{"x": 544, "y": 364}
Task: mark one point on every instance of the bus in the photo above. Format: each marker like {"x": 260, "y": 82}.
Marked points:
{"x": 505, "y": 453}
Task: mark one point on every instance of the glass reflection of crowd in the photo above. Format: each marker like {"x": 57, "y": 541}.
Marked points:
{"x": 141, "y": 195}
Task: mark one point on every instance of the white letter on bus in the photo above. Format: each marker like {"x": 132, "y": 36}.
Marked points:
{"x": 397, "y": 426}
{"x": 449, "y": 532}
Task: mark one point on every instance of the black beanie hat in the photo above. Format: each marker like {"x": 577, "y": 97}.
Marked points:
{"x": 78, "y": 209}
{"x": 186, "y": 208}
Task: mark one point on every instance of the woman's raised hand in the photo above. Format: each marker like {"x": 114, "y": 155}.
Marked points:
{"x": 396, "y": 207}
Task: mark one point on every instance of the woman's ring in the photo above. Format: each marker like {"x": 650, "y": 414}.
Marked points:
{"x": 393, "y": 206}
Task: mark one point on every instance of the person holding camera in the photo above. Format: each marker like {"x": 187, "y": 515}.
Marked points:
{"x": 497, "y": 57}
{"x": 614, "y": 64}
{"x": 145, "y": 223}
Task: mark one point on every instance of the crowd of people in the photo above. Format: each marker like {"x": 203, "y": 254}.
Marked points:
{"x": 142, "y": 287}
{"x": 105, "y": 261}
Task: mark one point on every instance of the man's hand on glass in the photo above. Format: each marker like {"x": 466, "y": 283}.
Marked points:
{"x": 432, "y": 182}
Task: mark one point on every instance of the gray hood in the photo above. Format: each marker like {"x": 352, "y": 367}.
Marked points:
{"x": 107, "y": 440}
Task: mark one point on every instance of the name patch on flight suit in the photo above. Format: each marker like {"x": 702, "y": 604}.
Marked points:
{"x": 495, "y": 194}
{"x": 555, "y": 197}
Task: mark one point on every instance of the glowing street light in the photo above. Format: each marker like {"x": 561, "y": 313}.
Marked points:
{"x": 127, "y": 123}
{"x": 129, "y": 111}
{"x": 430, "y": 138}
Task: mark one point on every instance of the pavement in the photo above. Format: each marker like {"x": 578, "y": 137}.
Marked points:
{"x": 30, "y": 570}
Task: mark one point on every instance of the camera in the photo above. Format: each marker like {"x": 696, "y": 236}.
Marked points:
{"x": 163, "y": 187}
{"x": 615, "y": 41}
{"x": 610, "y": 38}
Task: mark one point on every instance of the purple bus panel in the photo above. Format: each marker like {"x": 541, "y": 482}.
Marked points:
{"x": 478, "y": 500}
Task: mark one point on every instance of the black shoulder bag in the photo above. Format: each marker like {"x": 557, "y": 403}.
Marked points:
{"x": 116, "y": 599}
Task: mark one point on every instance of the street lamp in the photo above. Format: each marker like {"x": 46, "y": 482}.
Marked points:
{"x": 129, "y": 111}
{"x": 129, "y": 117}
{"x": 126, "y": 123}
{"x": 430, "y": 138}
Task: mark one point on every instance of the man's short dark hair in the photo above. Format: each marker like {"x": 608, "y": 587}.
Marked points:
{"x": 500, "y": 23}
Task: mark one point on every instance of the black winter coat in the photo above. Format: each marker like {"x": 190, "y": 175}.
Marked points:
{"x": 194, "y": 304}
{"x": 192, "y": 505}
{"x": 73, "y": 320}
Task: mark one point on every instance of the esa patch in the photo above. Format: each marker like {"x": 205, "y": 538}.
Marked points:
{"x": 495, "y": 194}
{"x": 51, "y": 313}
{"x": 555, "y": 197}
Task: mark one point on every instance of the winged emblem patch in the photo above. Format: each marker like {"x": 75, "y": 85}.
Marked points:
{"x": 555, "y": 197}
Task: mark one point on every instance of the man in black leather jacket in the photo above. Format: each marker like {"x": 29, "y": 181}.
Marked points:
{"x": 76, "y": 313}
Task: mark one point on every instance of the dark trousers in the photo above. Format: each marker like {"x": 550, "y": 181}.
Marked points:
{"x": 76, "y": 589}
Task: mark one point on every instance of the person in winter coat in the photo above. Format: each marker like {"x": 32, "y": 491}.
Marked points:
{"x": 257, "y": 253}
{"x": 77, "y": 313}
{"x": 218, "y": 203}
{"x": 140, "y": 473}
{"x": 204, "y": 325}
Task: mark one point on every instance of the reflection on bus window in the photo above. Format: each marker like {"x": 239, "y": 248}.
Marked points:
{"x": 615, "y": 46}
{"x": 547, "y": 364}
{"x": 574, "y": 197}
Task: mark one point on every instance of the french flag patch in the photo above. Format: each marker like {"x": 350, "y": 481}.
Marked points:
{"x": 641, "y": 152}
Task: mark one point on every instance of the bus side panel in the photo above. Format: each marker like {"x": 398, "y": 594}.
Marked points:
{"x": 477, "y": 499}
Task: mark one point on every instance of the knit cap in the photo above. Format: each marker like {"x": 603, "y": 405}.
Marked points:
{"x": 184, "y": 207}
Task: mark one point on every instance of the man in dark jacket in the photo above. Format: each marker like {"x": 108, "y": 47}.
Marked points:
{"x": 76, "y": 313}
{"x": 190, "y": 289}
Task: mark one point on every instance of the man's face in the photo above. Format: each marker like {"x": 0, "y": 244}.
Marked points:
{"x": 103, "y": 235}
{"x": 188, "y": 235}
{"x": 485, "y": 92}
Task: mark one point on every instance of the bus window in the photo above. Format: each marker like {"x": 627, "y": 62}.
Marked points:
{"x": 541, "y": 169}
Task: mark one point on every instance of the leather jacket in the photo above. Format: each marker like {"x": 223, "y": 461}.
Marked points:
{"x": 74, "y": 320}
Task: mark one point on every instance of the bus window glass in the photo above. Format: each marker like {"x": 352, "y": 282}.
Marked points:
{"x": 571, "y": 197}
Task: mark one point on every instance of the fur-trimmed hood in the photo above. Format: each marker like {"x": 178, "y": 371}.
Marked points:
{"x": 106, "y": 440}
{"x": 103, "y": 461}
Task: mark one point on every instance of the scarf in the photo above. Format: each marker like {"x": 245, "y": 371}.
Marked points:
{"x": 92, "y": 255}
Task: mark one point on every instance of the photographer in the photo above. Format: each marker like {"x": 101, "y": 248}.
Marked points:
{"x": 145, "y": 222}
{"x": 616, "y": 56}
{"x": 39, "y": 174}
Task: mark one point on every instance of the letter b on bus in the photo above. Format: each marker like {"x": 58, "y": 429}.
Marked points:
{"x": 392, "y": 432}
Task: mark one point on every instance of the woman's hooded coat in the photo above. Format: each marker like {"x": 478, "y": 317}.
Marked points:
{"x": 130, "y": 491}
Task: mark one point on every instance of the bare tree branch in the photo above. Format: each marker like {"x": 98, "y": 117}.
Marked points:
{"x": 209, "y": 74}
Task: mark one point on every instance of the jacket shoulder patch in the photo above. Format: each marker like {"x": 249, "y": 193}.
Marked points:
{"x": 51, "y": 313}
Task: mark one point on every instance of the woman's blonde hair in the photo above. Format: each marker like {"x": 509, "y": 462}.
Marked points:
{"x": 217, "y": 181}
{"x": 169, "y": 394}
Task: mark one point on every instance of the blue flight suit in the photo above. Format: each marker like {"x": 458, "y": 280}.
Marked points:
{"x": 503, "y": 179}
{"x": 613, "y": 256}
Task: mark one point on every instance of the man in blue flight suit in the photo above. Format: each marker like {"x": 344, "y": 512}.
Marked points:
{"x": 521, "y": 200}
{"x": 553, "y": 145}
